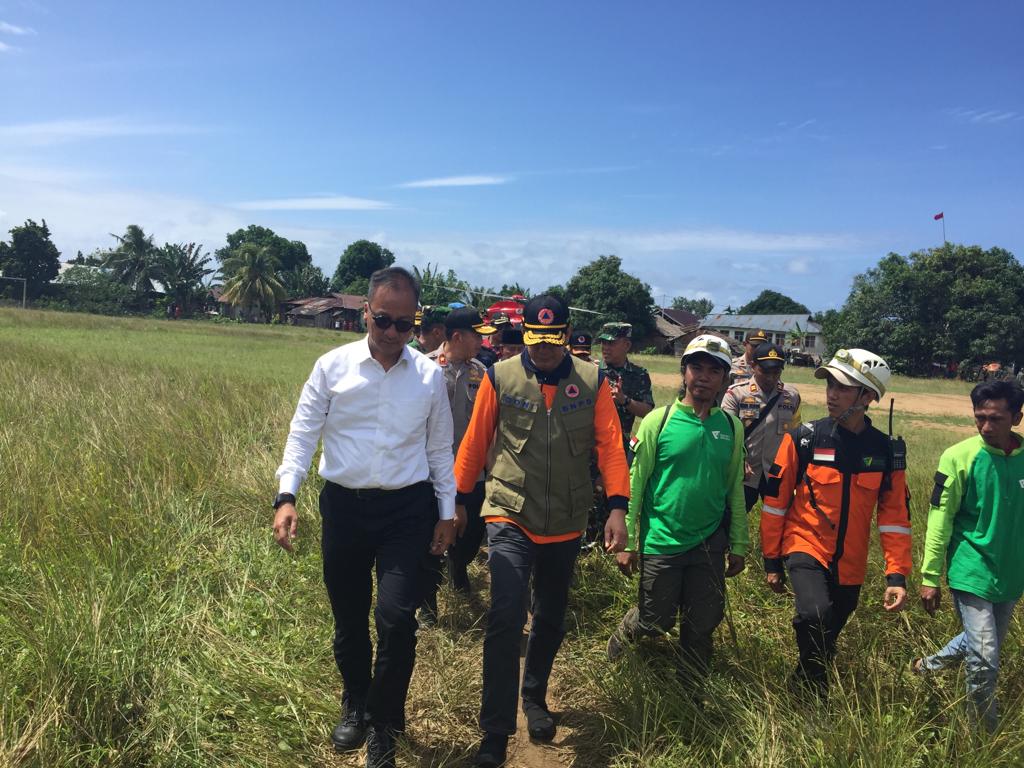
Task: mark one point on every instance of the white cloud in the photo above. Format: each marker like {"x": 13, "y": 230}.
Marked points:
{"x": 799, "y": 266}
{"x": 456, "y": 181}
{"x": 60, "y": 131}
{"x": 334, "y": 203}
{"x": 11, "y": 29}
{"x": 5, "y": 48}
{"x": 984, "y": 116}
{"x": 728, "y": 266}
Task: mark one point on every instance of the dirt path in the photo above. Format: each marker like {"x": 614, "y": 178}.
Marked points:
{"x": 925, "y": 405}
{"x": 523, "y": 753}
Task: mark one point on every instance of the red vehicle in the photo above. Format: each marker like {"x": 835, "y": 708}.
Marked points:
{"x": 512, "y": 307}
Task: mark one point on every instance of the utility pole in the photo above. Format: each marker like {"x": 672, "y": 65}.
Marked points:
{"x": 24, "y": 288}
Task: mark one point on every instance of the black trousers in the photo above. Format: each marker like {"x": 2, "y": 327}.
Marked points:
{"x": 690, "y": 585}
{"x": 390, "y": 531}
{"x": 822, "y": 609}
{"x": 460, "y": 554}
{"x": 512, "y": 557}
{"x": 464, "y": 550}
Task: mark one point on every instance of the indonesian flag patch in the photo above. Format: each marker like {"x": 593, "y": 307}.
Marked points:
{"x": 824, "y": 454}
{"x": 634, "y": 441}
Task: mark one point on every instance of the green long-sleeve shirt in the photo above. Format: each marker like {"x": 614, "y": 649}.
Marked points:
{"x": 682, "y": 480}
{"x": 976, "y": 521}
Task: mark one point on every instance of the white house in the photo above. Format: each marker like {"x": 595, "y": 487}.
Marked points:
{"x": 779, "y": 329}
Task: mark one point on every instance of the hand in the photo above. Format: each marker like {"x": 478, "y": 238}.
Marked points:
{"x": 286, "y": 520}
{"x": 627, "y": 562}
{"x": 895, "y": 598}
{"x": 444, "y": 537}
{"x": 460, "y": 520}
{"x": 615, "y": 534}
{"x": 619, "y": 396}
{"x": 736, "y": 566}
{"x": 776, "y": 582}
{"x": 930, "y": 599}
{"x": 748, "y": 471}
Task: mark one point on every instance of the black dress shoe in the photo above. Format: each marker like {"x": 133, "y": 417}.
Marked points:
{"x": 350, "y": 732}
{"x": 492, "y": 752}
{"x": 380, "y": 747}
{"x": 539, "y": 723}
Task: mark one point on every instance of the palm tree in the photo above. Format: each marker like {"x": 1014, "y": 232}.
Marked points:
{"x": 182, "y": 269}
{"x": 253, "y": 284}
{"x": 304, "y": 281}
{"x": 795, "y": 338}
{"x": 134, "y": 261}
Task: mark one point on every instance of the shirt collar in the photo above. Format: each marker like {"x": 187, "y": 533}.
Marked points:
{"x": 550, "y": 377}
{"x": 362, "y": 351}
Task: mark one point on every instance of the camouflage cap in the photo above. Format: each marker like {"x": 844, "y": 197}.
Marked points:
{"x": 434, "y": 315}
{"x": 613, "y": 331}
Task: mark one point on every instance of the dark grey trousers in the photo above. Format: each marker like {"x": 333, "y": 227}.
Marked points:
{"x": 691, "y": 585}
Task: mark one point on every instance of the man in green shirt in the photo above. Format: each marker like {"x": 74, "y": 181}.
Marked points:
{"x": 686, "y": 510}
{"x": 976, "y": 533}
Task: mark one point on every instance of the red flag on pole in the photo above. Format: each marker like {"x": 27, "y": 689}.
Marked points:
{"x": 938, "y": 216}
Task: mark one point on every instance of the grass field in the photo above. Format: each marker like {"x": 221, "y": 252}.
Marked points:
{"x": 147, "y": 618}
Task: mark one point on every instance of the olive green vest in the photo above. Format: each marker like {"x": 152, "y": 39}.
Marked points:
{"x": 541, "y": 473}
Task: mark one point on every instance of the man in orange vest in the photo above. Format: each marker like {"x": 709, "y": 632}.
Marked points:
{"x": 822, "y": 491}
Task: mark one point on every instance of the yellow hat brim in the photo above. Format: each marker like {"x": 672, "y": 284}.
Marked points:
{"x": 536, "y": 337}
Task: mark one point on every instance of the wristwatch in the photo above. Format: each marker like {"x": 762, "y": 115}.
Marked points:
{"x": 627, "y": 401}
{"x": 283, "y": 498}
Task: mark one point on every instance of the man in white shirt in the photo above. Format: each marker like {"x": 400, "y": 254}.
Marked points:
{"x": 383, "y": 415}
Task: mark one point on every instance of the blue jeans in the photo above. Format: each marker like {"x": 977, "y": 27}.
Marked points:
{"x": 977, "y": 647}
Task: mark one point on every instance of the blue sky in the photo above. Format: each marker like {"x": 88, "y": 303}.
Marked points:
{"x": 719, "y": 149}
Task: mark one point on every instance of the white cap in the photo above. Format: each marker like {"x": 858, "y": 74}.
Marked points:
{"x": 710, "y": 345}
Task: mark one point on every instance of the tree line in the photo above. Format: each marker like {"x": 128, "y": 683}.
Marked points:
{"x": 935, "y": 308}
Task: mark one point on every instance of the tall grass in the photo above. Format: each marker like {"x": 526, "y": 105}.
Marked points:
{"x": 147, "y": 619}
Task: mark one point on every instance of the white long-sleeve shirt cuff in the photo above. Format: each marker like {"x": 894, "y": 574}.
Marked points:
{"x": 289, "y": 482}
{"x": 446, "y": 508}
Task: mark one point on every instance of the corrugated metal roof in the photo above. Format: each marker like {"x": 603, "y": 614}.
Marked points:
{"x": 350, "y": 300}
{"x": 681, "y": 317}
{"x": 316, "y": 306}
{"x": 773, "y": 323}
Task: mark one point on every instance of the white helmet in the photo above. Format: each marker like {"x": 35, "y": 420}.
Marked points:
{"x": 709, "y": 345}
{"x": 858, "y": 368}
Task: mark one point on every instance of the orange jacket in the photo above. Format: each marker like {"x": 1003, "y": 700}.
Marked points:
{"x": 827, "y": 513}
{"x": 611, "y": 459}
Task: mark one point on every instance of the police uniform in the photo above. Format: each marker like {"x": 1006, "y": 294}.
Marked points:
{"x": 463, "y": 381}
{"x": 747, "y": 400}
{"x": 742, "y": 370}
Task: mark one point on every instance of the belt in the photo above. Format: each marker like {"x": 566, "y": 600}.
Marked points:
{"x": 378, "y": 493}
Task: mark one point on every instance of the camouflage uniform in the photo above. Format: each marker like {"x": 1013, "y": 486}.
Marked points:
{"x": 635, "y": 381}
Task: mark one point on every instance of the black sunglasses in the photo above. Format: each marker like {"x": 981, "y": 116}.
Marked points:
{"x": 384, "y": 322}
